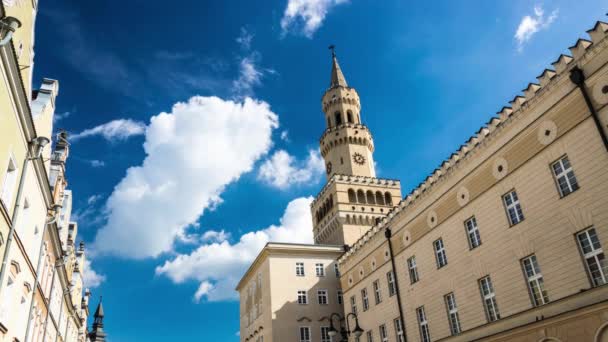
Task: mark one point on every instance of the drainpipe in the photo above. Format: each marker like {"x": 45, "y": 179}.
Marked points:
{"x": 388, "y": 234}
{"x": 10, "y": 25}
{"x": 578, "y": 77}
{"x": 51, "y": 297}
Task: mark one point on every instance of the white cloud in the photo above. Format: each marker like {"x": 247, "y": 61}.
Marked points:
{"x": 119, "y": 129}
{"x": 285, "y": 136}
{"x": 192, "y": 154}
{"x": 97, "y": 163}
{"x": 250, "y": 75}
{"x": 244, "y": 39}
{"x": 530, "y": 25}
{"x": 60, "y": 116}
{"x": 215, "y": 236}
{"x": 219, "y": 266}
{"x": 309, "y": 14}
{"x": 91, "y": 278}
{"x": 283, "y": 170}
{"x": 93, "y": 199}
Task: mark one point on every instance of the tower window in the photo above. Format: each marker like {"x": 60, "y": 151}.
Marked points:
{"x": 349, "y": 116}
{"x": 379, "y": 198}
{"x": 361, "y": 196}
{"x": 338, "y": 118}
{"x": 352, "y": 198}
{"x": 388, "y": 199}
{"x": 328, "y": 122}
{"x": 370, "y": 197}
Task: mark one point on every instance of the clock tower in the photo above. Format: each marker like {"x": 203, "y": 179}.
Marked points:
{"x": 353, "y": 198}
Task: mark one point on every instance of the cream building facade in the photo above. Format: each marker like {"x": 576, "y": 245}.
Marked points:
{"x": 41, "y": 282}
{"x": 504, "y": 241}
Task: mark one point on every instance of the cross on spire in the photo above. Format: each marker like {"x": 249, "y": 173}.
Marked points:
{"x": 332, "y": 47}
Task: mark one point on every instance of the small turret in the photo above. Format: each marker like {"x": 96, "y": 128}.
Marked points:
{"x": 97, "y": 334}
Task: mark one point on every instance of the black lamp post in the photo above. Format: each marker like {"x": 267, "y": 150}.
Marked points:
{"x": 345, "y": 331}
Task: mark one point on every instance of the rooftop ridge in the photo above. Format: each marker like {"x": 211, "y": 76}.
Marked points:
{"x": 518, "y": 104}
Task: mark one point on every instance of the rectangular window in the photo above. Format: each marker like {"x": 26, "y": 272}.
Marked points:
{"x": 320, "y": 270}
{"x": 423, "y": 325}
{"x": 489, "y": 299}
{"x": 472, "y": 232}
{"x": 353, "y": 305}
{"x": 383, "y": 333}
{"x": 322, "y": 296}
{"x": 452, "y": 310}
{"x": 325, "y": 334}
{"x": 8, "y": 185}
{"x": 364, "y": 299}
{"x": 440, "y": 255}
{"x": 536, "y": 285}
{"x": 299, "y": 269}
{"x": 390, "y": 277}
{"x": 412, "y": 269}
{"x": 370, "y": 336}
{"x": 399, "y": 330}
{"x": 304, "y": 334}
{"x": 564, "y": 176}
{"x": 302, "y": 297}
{"x": 377, "y": 295}
{"x": 592, "y": 251}
{"x": 337, "y": 270}
{"x": 514, "y": 213}
{"x": 340, "y": 297}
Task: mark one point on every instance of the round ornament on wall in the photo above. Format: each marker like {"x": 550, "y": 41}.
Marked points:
{"x": 431, "y": 219}
{"x": 358, "y": 158}
{"x": 547, "y": 132}
{"x": 600, "y": 90}
{"x": 500, "y": 168}
{"x": 462, "y": 196}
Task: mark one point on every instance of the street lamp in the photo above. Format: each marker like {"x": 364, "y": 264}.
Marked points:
{"x": 345, "y": 331}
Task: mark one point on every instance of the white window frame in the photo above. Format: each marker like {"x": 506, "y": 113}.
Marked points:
{"x": 399, "y": 330}
{"x": 302, "y": 297}
{"x": 383, "y": 333}
{"x": 534, "y": 278}
{"x": 423, "y": 325}
{"x": 452, "y": 310}
{"x": 337, "y": 270}
{"x": 593, "y": 254}
{"x": 377, "y": 293}
{"x": 9, "y": 181}
{"x": 370, "y": 336}
{"x": 488, "y": 296}
{"x": 472, "y": 230}
{"x": 392, "y": 287}
{"x": 515, "y": 213}
{"x": 440, "y": 255}
{"x": 323, "y": 294}
{"x": 353, "y": 305}
{"x": 320, "y": 269}
{"x": 325, "y": 334}
{"x": 300, "y": 269}
{"x": 365, "y": 299}
{"x": 303, "y": 331}
{"x": 565, "y": 180}
{"x": 340, "y": 297}
{"x": 413, "y": 269}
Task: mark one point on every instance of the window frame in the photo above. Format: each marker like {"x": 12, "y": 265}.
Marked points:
{"x": 516, "y": 204}
{"x": 423, "y": 324}
{"x": 353, "y": 304}
{"x": 536, "y": 278}
{"x": 440, "y": 251}
{"x": 377, "y": 293}
{"x": 323, "y": 293}
{"x": 565, "y": 174}
{"x": 369, "y": 336}
{"x": 365, "y": 299}
{"x": 337, "y": 270}
{"x": 399, "y": 333}
{"x": 491, "y": 296}
{"x": 452, "y": 312}
{"x": 320, "y": 269}
{"x": 300, "y": 267}
{"x": 474, "y": 231}
{"x": 303, "y": 338}
{"x": 325, "y": 337}
{"x": 412, "y": 268}
{"x": 383, "y": 333}
{"x": 304, "y": 295}
{"x": 593, "y": 254}
{"x": 340, "y": 297}
{"x": 392, "y": 286}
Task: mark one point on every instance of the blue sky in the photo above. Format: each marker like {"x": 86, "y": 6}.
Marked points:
{"x": 195, "y": 125}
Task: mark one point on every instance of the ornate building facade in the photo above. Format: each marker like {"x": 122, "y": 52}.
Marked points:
{"x": 504, "y": 241}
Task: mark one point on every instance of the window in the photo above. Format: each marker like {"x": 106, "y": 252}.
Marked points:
{"x": 364, "y": 299}
{"x": 299, "y": 269}
{"x": 340, "y": 297}
{"x": 320, "y": 270}
{"x": 399, "y": 330}
{"x": 452, "y": 309}
{"x": 472, "y": 232}
{"x": 8, "y": 185}
{"x": 423, "y": 325}
{"x": 322, "y": 297}
{"x": 377, "y": 294}
{"x": 513, "y": 208}
{"x": 383, "y": 333}
{"x": 302, "y": 297}
{"x": 536, "y": 285}
{"x": 564, "y": 176}
{"x": 594, "y": 256}
{"x": 304, "y": 334}
{"x": 338, "y": 118}
{"x": 370, "y": 336}
{"x": 352, "y": 197}
{"x": 440, "y": 255}
{"x": 489, "y": 299}
{"x": 412, "y": 269}
{"x": 353, "y": 305}
{"x": 325, "y": 334}
{"x": 337, "y": 270}
{"x": 349, "y": 116}
{"x": 390, "y": 277}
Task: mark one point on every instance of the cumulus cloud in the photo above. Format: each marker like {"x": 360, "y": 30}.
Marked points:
{"x": 307, "y": 15}
{"x": 119, "y": 129}
{"x": 91, "y": 278}
{"x": 531, "y": 24}
{"x": 282, "y": 170}
{"x": 218, "y": 266}
{"x": 192, "y": 153}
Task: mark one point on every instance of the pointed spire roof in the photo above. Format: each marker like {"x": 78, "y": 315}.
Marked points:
{"x": 99, "y": 311}
{"x": 337, "y": 77}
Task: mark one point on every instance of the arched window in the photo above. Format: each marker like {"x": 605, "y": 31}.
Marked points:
{"x": 338, "y": 118}
{"x": 379, "y": 198}
{"x": 352, "y": 198}
{"x": 349, "y": 116}
{"x": 370, "y": 197}
{"x": 388, "y": 199}
{"x": 331, "y": 202}
{"x": 361, "y": 196}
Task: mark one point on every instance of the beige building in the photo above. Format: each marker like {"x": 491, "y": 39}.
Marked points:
{"x": 41, "y": 283}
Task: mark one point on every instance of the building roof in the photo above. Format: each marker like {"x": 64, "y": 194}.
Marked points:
{"x": 337, "y": 77}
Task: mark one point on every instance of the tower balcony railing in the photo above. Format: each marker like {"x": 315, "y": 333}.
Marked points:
{"x": 344, "y": 125}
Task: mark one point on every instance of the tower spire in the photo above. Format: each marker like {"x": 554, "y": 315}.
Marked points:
{"x": 337, "y": 77}
{"x": 97, "y": 334}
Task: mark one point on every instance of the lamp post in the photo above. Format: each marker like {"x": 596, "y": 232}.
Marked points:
{"x": 344, "y": 325}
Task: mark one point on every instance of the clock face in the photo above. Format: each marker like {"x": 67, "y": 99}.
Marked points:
{"x": 328, "y": 167}
{"x": 359, "y": 158}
